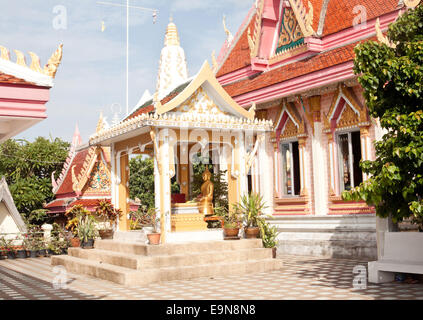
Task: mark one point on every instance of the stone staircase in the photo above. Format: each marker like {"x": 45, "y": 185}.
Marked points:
{"x": 134, "y": 264}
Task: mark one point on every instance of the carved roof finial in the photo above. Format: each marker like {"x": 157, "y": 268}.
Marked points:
{"x": 229, "y": 36}
{"x": 4, "y": 53}
{"x": 53, "y": 64}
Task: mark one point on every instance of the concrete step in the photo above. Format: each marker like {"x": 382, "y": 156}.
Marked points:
{"x": 131, "y": 236}
{"x": 130, "y": 277}
{"x": 138, "y": 262}
{"x": 176, "y": 248}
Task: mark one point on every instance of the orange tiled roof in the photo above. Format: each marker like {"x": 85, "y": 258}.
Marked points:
{"x": 7, "y": 78}
{"x": 240, "y": 54}
{"x": 339, "y": 16}
{"x": 294, "y": 70}
{"x": 340, "y": 13}
{"x": 78, "y": 161}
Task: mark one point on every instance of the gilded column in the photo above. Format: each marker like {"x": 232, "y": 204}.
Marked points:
{"x": 124, "y": 192}
{"x": 303, "y": 173}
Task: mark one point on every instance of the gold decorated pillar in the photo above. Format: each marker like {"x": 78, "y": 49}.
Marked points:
{"x": 303, "y": 174}
{"x": 124, "y": 192}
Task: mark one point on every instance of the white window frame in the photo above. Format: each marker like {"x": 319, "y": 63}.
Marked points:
{"x": 350, "y": 158}
{"x": 282, "y": 178}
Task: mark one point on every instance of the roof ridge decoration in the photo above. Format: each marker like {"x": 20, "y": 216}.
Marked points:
{"x": 50, "y": 68}
{"x": 76, "y": 141}
{"x": 304, "y": 18}
{"x": 254, "y": 41}
{"x": 229, "y": 36}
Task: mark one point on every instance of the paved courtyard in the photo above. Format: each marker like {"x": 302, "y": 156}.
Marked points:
{"x": 309, "y": 278}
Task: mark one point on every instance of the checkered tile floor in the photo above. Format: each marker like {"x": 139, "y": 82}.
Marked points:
{"x": 305, "y": 278}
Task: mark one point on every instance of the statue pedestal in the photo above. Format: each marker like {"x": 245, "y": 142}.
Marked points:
{"x": 187, "y": 217}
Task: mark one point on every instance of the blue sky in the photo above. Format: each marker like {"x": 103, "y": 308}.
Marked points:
{"x": 92, "y": 76}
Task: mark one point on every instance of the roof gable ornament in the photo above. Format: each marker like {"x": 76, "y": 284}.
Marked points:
{"x": 381, "y": 37}
{"x": 229, "y": 36}
{"x": 253, "y": 41}
{"x": 304, "y": 19}
{"x": 411, "y": 3}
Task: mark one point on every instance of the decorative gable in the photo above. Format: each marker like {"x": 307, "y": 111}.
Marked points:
{"x": 99, "y": 181}
{"x": 200, "y": 103}
{"x": 290, "y": 34}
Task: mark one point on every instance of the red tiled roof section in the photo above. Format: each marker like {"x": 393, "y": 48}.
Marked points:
{"x": 317, "y": 7}
{"x": 340, "y": 13}
{"x": 294, "y": 70}
{"x": 55, "y": 203}
{"x": 240, "y": 54}
{"x": 7, "y": 78}
{"x": 78, "y": 161}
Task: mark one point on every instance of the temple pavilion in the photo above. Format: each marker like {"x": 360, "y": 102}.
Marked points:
{"x": 85, "y": 178}
{"x": 185, "y": 117}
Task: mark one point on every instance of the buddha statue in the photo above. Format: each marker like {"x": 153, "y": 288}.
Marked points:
{"x": 205, "y": 201}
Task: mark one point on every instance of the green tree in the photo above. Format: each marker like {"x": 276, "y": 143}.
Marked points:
{"x": 28, "y": 166}
{"x": 392, "y": 78}
{"x": 141, "y": 180}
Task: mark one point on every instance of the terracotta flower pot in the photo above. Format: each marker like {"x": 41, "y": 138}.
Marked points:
{"x": 154, "y": 238}
{"x": 75, "y": 242}
{"x": 230, "y": 232}
{"x": 106, "y": 234}
{"x": 252, "y": 232}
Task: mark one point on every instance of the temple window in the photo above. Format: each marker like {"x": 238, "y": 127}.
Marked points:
{"x": 291, "y": 182}
{"x": 349, "y": 152}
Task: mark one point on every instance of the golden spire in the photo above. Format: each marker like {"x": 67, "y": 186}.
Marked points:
{"x": 172, "y": 37}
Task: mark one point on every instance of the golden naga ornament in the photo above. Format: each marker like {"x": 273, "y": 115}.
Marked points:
{"x": 53, "y": 64}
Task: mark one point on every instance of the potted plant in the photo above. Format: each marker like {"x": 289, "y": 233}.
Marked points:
{"x": 108, "y": 216}
{"x": 20, "y": 250}
{"x": 73, "y": 216}
{"x": 269, "y": 236}
{"x": 41, "y": 247}
{"x": 251, "y": 208}
{"x": 9, "y": 249}
{"x": 30, "y": 245}
{"x": 231, "y": 223}
{"x": 87, "y": 231}
{"x": 150, "y": 218}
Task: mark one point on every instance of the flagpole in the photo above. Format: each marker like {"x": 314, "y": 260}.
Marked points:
{"x": 127, "y": 57}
